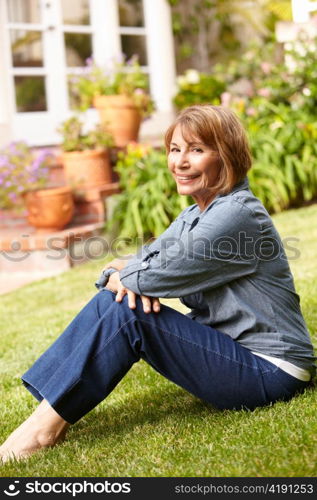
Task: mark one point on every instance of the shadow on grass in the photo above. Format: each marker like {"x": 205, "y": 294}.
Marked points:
{"x": 151, "y": 407}
{"x": 148, "y": 407}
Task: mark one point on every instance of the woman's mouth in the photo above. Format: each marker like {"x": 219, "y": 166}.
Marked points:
{"x": 186, "y": 179}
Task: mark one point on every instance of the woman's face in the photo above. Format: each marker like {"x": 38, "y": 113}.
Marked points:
{"x": 195, "y": 167}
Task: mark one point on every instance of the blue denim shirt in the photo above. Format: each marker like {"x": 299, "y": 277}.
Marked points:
{"x": 228, "y": 265}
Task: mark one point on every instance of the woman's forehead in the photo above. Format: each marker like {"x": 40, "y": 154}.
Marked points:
{"x": 186, "y": 132}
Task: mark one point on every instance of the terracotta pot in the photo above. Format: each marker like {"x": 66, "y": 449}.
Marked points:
{"x": 50, "y": 208}
{"x": 88, "y": 168}
{"x": 119, "y": 115}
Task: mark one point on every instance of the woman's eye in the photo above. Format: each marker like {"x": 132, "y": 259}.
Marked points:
{"x": 174, "y": 150}
{"x": 198, "y": 150}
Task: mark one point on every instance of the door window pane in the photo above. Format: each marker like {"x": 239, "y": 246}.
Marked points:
{"x": 131, "y": 13}
{"x": 78, "y": 48}
{"x": 23, "y": 11}
{"x": 26, "y": 48}
{"x": 76, "y": 12}
{"x": 30, "y": 93}
{"x": 134, "y": 45}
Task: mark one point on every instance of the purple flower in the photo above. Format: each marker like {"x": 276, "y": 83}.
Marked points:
{"x": 89, "y": 61}
{"x": 3, "y": 161}
{"x": 134, "y": 59}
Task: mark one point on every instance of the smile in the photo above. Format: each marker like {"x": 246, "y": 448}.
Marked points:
{"x": 186, "y": 178}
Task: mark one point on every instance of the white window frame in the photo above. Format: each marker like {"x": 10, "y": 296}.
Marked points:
{"x": 39, "y": 128}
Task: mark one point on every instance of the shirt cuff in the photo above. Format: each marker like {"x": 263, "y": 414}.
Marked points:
{"x": 129, "y": 275}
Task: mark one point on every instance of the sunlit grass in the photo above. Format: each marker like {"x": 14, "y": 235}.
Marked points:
{"x": 148, "y": 426}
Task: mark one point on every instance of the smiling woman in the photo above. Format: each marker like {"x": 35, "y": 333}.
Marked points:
{"x": 219, "y": 148}
{"x": 195, "y": 168}
{"x": 243, "y": 345}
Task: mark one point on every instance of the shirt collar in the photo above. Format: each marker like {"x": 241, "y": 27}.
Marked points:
{"x": 240, "y": 186}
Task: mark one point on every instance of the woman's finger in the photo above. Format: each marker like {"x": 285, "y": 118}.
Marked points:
{"x": 156, "y": 304}
{"x": 121, "y": 293}
{"x": 147, "y": 304}
{"x": 131, "y": 299}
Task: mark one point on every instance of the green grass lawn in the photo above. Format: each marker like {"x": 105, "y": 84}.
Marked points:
{"x": 148, "y": 426}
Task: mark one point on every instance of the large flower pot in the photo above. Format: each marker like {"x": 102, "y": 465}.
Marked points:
{"x": 51, "y": 208}
{"x": 86, "y": 169}
{"x": 120, "y": 116}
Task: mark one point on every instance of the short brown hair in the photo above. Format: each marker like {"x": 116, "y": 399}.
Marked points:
{"x": 218, "y": 127}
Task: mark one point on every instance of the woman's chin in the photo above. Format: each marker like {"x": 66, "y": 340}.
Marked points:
{"x": 184, "y": 190}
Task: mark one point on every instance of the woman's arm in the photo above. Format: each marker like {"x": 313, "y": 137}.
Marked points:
{"x": 219, "y": 249}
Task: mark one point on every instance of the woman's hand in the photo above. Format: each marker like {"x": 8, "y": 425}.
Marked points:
{"x": 118, "y": 263}
{"x": 149, "y": 303}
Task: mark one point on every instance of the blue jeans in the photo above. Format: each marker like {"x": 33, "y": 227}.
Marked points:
{"x": 104, "y": 340}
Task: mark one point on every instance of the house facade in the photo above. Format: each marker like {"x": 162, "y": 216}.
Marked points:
{"x": 44, "y": 42}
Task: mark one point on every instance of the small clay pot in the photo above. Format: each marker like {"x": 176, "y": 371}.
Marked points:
{"x": 86, "y": 169}
{"x": 120, "y": 116}
{"x": 51, "y": 208}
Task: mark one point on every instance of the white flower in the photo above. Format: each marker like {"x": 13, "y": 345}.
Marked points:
{"x": 306, "y": 91}
{"x": 192, "y": 76}
{"x": 181, "y": 81}
{"x": 276, "y": 124}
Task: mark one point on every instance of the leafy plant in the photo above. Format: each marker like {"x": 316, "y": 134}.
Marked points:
{"x": 276, "y": 98}
{"x": 120, "y": 77}
{"x": 284, "y": 173}
{"x": 198, "y": 88}
{"x": 21, "y": 170}
{"x": 148, "y": 201}
{"x": 75, "y": 139}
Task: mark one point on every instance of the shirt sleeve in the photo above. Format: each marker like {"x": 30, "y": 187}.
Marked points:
{"x": 219, "y": 249}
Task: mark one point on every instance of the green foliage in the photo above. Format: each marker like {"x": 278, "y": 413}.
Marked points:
{"x": 30, "y": 93}
{"x": 206, "y": 31}
{"x": 121, "y": 77}
{"x": 198, "y": 88}
{"x": 284, "y": 149}
{"x": 279, "y": 115}
{"x": 149, "y": 201}
{"x": 75, "y": 139}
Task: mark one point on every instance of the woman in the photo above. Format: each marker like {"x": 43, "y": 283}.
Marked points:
{"x": 244, "y": 344}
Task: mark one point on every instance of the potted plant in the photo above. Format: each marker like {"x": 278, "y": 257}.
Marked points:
{"x": 120, "y": 94}
{"x": 85, "y": 155}
{"x": 24, "y": 180}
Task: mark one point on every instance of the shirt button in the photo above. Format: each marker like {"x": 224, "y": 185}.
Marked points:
{"x": 145, "y": 265}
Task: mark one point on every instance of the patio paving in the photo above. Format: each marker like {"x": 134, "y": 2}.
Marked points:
{"x": 28, "y": 254}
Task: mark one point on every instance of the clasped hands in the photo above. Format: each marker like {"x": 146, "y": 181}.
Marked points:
{"x": 114, "y": 284}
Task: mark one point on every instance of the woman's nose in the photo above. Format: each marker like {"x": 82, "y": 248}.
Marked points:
{"x": 182, "y": 160}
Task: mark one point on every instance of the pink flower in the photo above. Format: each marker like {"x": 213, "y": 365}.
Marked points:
{"x": 264, "y": 92}
{"x": 266, "y": 67}
{"x": 226, "y": 99}
{"x": 251, "y": 111}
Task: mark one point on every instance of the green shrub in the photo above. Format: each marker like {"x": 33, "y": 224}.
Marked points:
{"x": 284, "y": 150}
{"x": 198, "y": 88}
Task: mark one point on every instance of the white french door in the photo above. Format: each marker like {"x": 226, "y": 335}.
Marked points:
{"x": 47, "y": 41}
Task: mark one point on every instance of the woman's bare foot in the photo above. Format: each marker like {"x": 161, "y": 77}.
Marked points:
{"x": 44, "y": 428}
